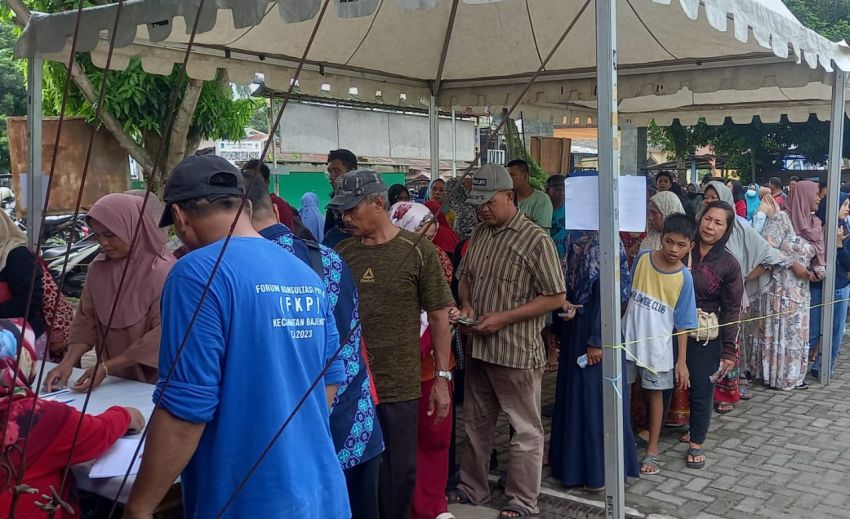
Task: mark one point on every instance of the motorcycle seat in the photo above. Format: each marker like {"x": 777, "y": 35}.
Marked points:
{"x": 58, "y": 219}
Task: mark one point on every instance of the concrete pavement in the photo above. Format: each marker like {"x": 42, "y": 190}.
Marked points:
{"x": 779, "y": 455}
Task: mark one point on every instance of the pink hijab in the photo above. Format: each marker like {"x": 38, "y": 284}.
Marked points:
{"x": 799, "y": 207}
{"x": 149, "y": 263}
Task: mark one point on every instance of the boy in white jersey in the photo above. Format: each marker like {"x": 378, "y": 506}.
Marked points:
{"x": 662, "y": 300}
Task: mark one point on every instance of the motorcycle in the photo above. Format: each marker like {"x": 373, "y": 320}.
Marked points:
{"x": 82, "y": 253}
{"x": 64, "y": 229}
{"x": 7, "y": 201}
{"x": 59, "y": 230}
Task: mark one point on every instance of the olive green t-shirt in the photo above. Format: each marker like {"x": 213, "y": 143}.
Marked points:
{"x": 396, "y": 282}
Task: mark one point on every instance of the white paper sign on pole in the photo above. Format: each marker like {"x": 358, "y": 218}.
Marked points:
{"x": 581, "y": 203}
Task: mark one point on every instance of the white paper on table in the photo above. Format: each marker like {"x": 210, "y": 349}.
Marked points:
{"x": 581, "y": 203}
{"x": 115, "y": 461}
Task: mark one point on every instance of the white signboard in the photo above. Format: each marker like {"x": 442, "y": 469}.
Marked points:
{"x": 239, "y": 151}
{"x": 581, "y": 203}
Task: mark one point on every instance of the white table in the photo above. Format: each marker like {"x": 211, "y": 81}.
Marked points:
{"x": 113, "y": 391}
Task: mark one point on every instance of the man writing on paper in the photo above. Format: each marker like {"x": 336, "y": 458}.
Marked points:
{"x": 257, "y": 330}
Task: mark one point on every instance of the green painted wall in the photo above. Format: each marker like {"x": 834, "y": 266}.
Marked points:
{"x": 293, "y": 186}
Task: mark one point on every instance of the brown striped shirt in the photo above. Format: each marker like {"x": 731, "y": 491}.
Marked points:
{"x": 506, "y": 268}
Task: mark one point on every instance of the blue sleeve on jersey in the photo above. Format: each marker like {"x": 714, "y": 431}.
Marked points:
{"x": 192, "y": 393}
{"x": 685, "y": 315}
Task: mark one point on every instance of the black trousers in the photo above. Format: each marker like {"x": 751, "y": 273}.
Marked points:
{"x": 362, "y": 483}
{"x": 703, "y": 361}
{"x": 400, "y": 424}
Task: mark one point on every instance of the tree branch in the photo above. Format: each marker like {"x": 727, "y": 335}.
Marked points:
{"x": 109, "y": 121}
{"x": 183, "y": 122}
{"x": 22, "y": 16}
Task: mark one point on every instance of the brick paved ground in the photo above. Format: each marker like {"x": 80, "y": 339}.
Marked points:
{"x": 779, "y": 455}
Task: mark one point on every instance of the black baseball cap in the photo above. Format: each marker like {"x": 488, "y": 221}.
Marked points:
{"x": 354, "y": 186}
{"x": 200, "y": 176}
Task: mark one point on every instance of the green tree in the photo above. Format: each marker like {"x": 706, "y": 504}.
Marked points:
{"x": 749, "y": 148}
{"x": 516, "y": 150}
{"x": 680, "y": 141}
{"x": 136, "y": 103}
{"x": 829, "y": 18}
{"x": 12, "y": 92}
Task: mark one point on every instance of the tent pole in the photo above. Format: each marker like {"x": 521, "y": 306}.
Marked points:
{"x": 609, "y": 243}
{"x": 454, "y": 143}
{"x": 34, "y": 199}
{"x": 434, "y": 122}
{"x": 836, "y": 140}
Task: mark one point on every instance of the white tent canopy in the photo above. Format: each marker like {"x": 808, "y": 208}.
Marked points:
{"x": 391, "y": 51}
{"x": 770, "y": 104}
{"x": 692, "y": 57}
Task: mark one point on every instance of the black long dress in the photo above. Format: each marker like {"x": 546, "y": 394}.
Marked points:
{"x": 577, "y": 445}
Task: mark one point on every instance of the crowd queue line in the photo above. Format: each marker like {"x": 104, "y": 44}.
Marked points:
{"x": 417, "y": 308}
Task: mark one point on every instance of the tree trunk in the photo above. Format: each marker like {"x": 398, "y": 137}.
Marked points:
{"x": 681, "y": 171}
{"x": 192, "y": 144}
{"x": 178, "y": 144}
{"x": 155, "y": 179}
{"x": 753, "y": 165}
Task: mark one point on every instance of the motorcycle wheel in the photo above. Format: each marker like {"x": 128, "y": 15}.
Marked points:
{"x": 74, "y": 282}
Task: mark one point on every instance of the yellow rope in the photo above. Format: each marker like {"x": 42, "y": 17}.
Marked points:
{"x": 622, "y": 345}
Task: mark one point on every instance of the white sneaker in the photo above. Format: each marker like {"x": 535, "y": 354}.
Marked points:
{"x": 445, "y": 515}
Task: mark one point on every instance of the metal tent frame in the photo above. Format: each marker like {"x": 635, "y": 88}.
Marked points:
{"x": 605, "y": 79}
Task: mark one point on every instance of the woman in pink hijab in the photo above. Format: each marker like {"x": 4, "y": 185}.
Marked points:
{"x": 131, "y": 346}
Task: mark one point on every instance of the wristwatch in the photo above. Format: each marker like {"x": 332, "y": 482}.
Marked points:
{"x": 444, "y": 374}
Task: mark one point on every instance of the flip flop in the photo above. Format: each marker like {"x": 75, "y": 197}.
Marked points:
{"x": 513, "y": 509}
{"x": 723, "y": 408}
{"x": 653, "y": 465}
{"x": 693, "y": 453}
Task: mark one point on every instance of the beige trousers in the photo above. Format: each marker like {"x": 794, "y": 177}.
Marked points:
{"x": 488, "y": 390}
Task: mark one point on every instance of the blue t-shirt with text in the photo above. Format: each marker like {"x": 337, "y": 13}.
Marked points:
{"x": 354, "y": 422}
{"x": 264, "y": 332}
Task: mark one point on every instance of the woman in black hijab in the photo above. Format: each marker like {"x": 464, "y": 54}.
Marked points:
{"x": 398, "y": 193}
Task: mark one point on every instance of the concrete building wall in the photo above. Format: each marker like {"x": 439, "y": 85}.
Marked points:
{"x": 309, "y": 129}
{"x": 409, "y": 137}
{"x": 318, "y": 129}
{"x": 364, "y": 132}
